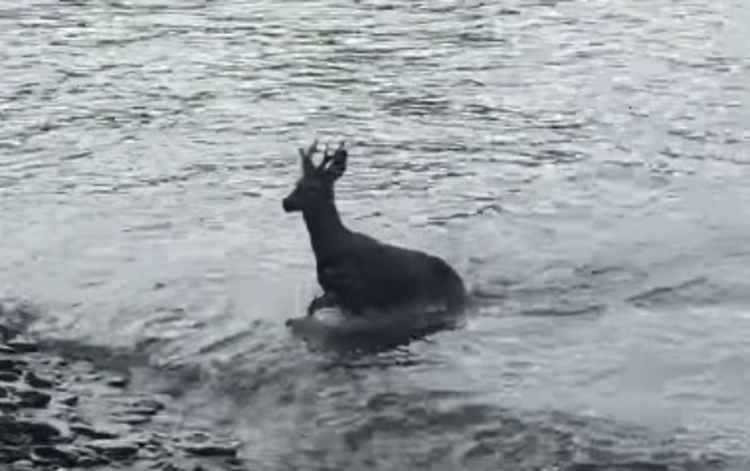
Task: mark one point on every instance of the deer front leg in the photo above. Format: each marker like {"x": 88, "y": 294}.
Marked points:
{"x": 327, "y": 299}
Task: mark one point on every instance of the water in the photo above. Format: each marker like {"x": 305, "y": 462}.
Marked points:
{"x": 582, "y": 164}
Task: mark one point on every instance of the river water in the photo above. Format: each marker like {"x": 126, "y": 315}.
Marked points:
{"x": 583, "y": 164}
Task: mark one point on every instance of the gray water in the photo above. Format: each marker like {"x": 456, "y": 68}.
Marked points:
{"x": 583, "y": 164}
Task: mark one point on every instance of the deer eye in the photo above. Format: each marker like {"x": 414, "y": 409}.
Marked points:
{"x": 307, "y": 187}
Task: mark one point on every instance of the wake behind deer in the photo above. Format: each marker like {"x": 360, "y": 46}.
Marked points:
{"x": 364, "y": 278}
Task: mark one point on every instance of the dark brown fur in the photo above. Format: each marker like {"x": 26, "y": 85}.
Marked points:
{"x": 357, "y": 272}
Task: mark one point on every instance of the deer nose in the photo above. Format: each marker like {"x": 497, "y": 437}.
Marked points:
{"x": 286, "y": 204}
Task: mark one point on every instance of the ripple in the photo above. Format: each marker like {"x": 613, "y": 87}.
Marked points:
{"x": 694, "y": 291}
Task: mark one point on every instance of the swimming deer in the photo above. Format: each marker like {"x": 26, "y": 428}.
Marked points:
{"x": 357, "y": 272}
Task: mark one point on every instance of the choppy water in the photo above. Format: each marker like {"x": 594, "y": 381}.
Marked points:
{"x": 583, "y": 164}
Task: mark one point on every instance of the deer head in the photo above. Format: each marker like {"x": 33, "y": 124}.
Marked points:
{"x": 316, "y": 183}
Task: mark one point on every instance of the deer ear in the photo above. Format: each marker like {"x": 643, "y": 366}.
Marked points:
{"x": 306, "y": 162}
{"x": 338, "y": 164}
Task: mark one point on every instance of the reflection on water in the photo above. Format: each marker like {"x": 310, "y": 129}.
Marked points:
{"x": 582, "y": 165}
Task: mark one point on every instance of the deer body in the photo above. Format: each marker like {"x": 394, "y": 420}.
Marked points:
{"x": 357, "y": 272}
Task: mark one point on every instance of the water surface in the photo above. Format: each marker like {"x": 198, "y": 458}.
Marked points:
{"x": 582, "y": 164}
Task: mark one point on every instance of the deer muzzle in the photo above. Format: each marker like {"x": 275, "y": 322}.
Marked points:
{"x": 288, "y": 204}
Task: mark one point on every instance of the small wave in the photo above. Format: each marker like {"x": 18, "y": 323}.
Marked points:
{"x": 482, "y": 210}
{"x": 695, "y": 291}
{"x": 450, "y": 432}
{"x": 426, "y": 105}
{"x": 594, "y": 309}
{"x": 371, "y": 333}
{"x": 16, "y": 315}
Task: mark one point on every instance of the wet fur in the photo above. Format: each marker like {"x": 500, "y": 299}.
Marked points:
{"x": 363, "y": 273}
{"x": 357, "y": 272}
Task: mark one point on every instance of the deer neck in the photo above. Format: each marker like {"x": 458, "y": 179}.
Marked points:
{"x": 324, "y": 226}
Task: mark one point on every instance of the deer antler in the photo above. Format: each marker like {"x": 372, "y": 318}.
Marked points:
{"x": 307, "y": 154}
{"x": 328, "y": 155}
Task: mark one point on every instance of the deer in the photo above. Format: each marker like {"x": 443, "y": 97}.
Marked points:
{"x": 358, "y": 273}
